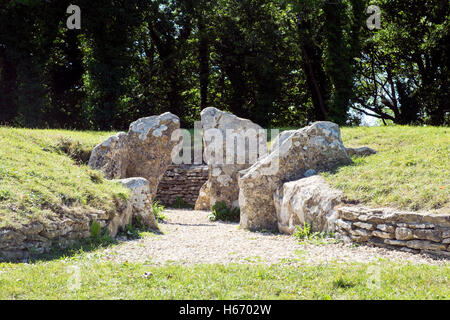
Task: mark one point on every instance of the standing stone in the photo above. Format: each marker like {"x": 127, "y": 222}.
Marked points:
{"x": 111, "y": 156}
{"x": 203, "y": 202}
{"x": 141, "y": 201}
{"x": 308, "y": 200}
{"x": 145, "y": 151}
{"x": 143, "y": 155}
{"x": 318, "y": 147}
{"x": 150, "y": 148}
{"x": 218, "y": 126}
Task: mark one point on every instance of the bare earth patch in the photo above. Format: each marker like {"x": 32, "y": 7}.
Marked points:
{"x": 188, "y": 238}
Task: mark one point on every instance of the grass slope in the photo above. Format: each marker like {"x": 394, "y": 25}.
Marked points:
{"x": 37, "y": 178}
{"x": 411, "y": 170}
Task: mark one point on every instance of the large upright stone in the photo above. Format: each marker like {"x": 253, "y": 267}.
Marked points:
{"x": 203, "y": 200}
{"x": 139, "y": 206}
{"x": 308, "y": 200}
{"x": 111, "y": 156}
{"x": 245, "y": 141}
{"x": 150, "y": 148}
{"x": 318, "y": 147}
{"x": 145, "y": 151}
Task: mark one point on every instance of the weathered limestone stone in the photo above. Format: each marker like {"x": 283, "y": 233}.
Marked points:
{"x": 11, "y": 235}
{"x": 308, "y": 200}
{"x": 442, "y": 219}
{"x": 203, "y": 202}
{"x": 403, "y": 234}
{"x": 395, "y": 242}
{"x": 360, "y": 152}
{"x": 342, "y": 237}
{"x": 318, "y": 147}
{"x": 386, "y": 228}
{"x": 150, "y": 148}
{"x": 111, "y": 156}
{"x": 363, "y": 225}
{"x": 218, "y": 127}
{"x": 145, "y": 151}
{"x": 409, "y": 217}
{"x": 359, "y": 235}
{"x": 416, "y": 225}
{"x": 123, "y": 216}
{"x": 409, "y": 250}
{"x": 345, "y": 225}
{"x": 446, "y": 234}
{"x": 347, "y": 214}
{"x": 141, "y": 201}
{"x": 383, "y": 235}
{"x": 425, "y": 245}
{"x": 279, "y": 139}
{"x": 427, "y": 235}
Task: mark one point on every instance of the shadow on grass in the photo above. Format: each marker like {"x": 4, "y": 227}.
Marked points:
{"x": 87, "y": 245}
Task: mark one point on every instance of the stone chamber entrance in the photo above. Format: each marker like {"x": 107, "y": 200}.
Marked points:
{"x": 180, "y": 185}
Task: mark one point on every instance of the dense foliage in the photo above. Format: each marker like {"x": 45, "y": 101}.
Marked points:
{"x": 277, "y": 62}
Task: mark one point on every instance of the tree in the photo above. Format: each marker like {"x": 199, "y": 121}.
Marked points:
{"x": 403, "y": 73}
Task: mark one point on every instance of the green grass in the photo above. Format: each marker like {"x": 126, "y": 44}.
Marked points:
{"x": 42, "y": 170}
{"x": 411, "y": 170}
{"x": 38, "y": 179}
{"x": 85, "y": 277}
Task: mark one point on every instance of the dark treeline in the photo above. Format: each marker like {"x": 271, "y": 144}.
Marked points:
{"x": 277, "y": 62}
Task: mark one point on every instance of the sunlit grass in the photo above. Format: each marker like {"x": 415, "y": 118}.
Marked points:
{"x": 37, "y": 178}
{"x": 411, "y": 170}
{"x": 82, "y": 278}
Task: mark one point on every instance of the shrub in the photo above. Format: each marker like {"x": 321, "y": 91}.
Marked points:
{"x": 96, "y": 230}
{"x": 305, "y": 233}
{"x": 158, "y": 211}
{"x": 220, "y": 211}
{"x": 181, "y": 204}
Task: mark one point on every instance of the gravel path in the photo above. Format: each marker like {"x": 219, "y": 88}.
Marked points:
{"x": 188, "y": 237}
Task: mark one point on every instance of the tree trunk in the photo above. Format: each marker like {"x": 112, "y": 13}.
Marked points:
{"x": 203, "y": 55}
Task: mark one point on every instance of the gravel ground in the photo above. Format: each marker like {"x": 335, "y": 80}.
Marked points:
{"x": 188, "y": 237}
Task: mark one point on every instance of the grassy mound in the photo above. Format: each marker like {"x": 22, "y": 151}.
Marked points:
{"x": 39, "y": 174}
{"x": 411, "y": 170}
{"x": 43, "y": 170}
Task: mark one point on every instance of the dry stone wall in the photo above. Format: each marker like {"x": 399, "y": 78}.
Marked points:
{"x": 406, "y": 231}
{"x": 182, "y": 181}
{"x": 60, "y": 230}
